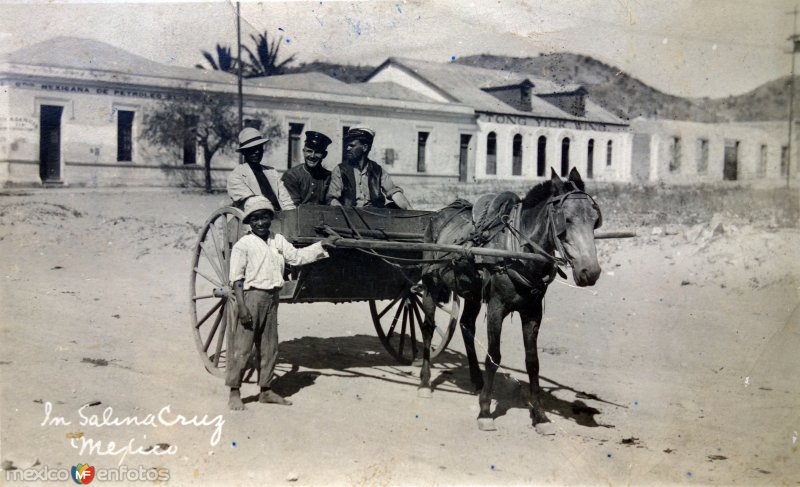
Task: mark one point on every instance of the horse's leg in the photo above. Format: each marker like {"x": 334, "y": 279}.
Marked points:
{"x": 467, "y": 323}
{"x": 427, "y": 326}
{"x": 495, "y": 312}
{"x": 531, "y": 320}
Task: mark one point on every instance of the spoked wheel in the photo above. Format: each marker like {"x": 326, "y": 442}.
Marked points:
{"x": 212, "y": 306}
{"x": 398, "y": 325}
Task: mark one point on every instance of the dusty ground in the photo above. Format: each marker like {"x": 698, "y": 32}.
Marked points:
{"x": 679, "y": 366}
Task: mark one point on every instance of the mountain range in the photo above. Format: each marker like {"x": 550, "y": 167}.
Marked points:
{"x": 615, "y": 90}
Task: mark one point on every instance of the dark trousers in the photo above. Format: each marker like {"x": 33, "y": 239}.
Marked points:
{"x": 263, "y": 307}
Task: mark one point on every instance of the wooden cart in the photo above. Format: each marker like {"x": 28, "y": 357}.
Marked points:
{"x": 385, "y": 280}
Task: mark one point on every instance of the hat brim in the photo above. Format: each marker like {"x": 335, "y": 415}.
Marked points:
{"x": 253, "y": 143}
{"x": 247, "y": 216}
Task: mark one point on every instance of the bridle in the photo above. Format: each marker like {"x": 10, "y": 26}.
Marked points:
{"x": 556, "y": 225}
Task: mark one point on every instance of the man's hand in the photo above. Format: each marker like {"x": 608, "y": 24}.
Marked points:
{"x": 330, "y": 242}
{"x": 245, "y": 317}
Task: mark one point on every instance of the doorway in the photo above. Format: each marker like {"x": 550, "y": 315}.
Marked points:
{"x": 463, "y": 157}
{"x": 730, "y": 169}
{"x": 50, "y": 143}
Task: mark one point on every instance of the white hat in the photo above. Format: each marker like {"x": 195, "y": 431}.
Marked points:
{"x": 254, "y": 204}
{"x": 250, "y": 137}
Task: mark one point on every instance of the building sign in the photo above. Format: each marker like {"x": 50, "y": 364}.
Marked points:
{"x": 18, "y": 123}
{"x": 547, "y": 123}
{"x": 100, "y": 90}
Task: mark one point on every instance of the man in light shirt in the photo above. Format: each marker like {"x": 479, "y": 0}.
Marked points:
{"x": 360, "y": 181}
{"x": 253, "y": 178}
{"x": 256, "y": 271}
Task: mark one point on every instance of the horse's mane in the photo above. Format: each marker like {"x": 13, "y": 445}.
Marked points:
{"x": 538, "y": 194}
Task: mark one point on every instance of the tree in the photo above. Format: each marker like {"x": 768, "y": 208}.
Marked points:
{"x": 264, "y": 62}
{"x": 211, "y": 120}
{"x": 223, "y": 62}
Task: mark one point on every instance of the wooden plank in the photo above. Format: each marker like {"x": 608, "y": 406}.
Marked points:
{"x": 349, "y": 243}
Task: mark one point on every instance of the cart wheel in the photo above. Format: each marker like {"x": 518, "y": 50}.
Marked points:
{"x": 397, "y": 324}
{"x": 212, "y": 307}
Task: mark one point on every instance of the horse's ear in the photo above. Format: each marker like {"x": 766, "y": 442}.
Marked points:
{"x": 575, "y": 178}
{"x": 555, "y": 182}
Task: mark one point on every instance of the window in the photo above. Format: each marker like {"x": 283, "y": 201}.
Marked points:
{"x": 516, "y": 156}
{"x": 784, "y": 160}
{"x": 124, "y": 135}
{"x": 702, "y": 156}
{"x": 190, "y": 140}
{"x": 565, "y": 157}
{"x": 491, "y": 153}
{"x": 590, "y": 159}
{"x": 389, "y": 157}
{"x": 609, "y": 147}
{"x": 295, "y": 154}
{"x": 345, "y": 129}
{"x": 422, "y": 142}
{"x": 675, "y": 154}
{"x": 253, "y": 123}
{"x": 541, "y": 155}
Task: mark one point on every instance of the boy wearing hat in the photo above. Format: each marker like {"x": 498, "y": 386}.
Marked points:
{"x": 251, "y": 178}
{"x": 309, "y": 182}
{"x": 360, "y": 181}
{"x": 256, "y": 271}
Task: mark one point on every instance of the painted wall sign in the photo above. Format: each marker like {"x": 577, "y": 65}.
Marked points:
{"x": 18, "y": 123}
{"x": 99, "y": 90}
{"x": 547, "y": 123}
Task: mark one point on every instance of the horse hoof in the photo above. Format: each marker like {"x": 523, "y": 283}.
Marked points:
{"x": 486, "y": 424}
{"x": 424, "y": 392}
{"x": 545, "y": 429}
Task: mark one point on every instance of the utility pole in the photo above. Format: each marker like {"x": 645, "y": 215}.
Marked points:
{"x": 795, "y": 40}
{"x": 239, "y": 62}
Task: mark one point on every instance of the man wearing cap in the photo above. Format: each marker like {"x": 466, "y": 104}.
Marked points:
{"x": 309, "y": 182}
{"x": 256, "y": 274}
{"x": 360, "y": 181}
{"x": 253, "y": 178}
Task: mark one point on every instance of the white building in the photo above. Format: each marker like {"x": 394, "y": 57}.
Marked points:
{"x": 525, "y": 124}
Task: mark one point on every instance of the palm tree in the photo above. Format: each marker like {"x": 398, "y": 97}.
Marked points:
{"x": 265, "y": 60}
{"x": 224, "y": 61}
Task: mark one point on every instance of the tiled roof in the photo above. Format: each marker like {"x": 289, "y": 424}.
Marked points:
{"x": 313, "y": 81}
{"x": 466, "y": 84}
{"x": 89, "y": 54}
{"x": 392, "y": 91}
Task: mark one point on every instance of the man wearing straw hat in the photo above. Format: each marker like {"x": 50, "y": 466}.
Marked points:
{"x": 253, "y": 178}
{"x": 360, "y": 181}
{"x": 256, "y": 273}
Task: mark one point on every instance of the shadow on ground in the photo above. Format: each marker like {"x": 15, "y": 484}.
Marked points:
{"x": 347, "y": 356}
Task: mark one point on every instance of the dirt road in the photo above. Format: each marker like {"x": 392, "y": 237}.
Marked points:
{"x": 679, "y": 366}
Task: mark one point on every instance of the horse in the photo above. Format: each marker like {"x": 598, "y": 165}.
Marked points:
{"x": 554, "y": 215}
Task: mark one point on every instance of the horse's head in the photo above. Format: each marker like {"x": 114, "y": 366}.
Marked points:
{"x": 575, "y": 216}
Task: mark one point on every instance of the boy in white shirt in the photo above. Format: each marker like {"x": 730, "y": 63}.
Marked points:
{"x": 256, "y": 271}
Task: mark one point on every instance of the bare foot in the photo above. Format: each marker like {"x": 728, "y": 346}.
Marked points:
{"x": 270, "y": 397}
{"x": 235, "y": 401}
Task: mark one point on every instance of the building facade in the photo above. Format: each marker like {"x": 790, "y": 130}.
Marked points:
{"x": 681, "y": 152}
{"x": 73, "y": 112}
{"x": 525, "y": 125}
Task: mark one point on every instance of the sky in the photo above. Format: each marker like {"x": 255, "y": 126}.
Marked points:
{"x": 697, "y": 48}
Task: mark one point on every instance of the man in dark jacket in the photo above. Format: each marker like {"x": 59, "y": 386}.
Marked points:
{"x": 360, "y": 181}
{"x": 308, "y": 183}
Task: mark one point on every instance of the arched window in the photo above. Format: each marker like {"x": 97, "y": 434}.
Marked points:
{"x": 491, "y": 153}
{"x": 516, "y": 156}
{"x": 564, "y": 157}
{"x": 608, "y": 152}
{"x": 541, "y": 159}
{"x": 590, "y": 159}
